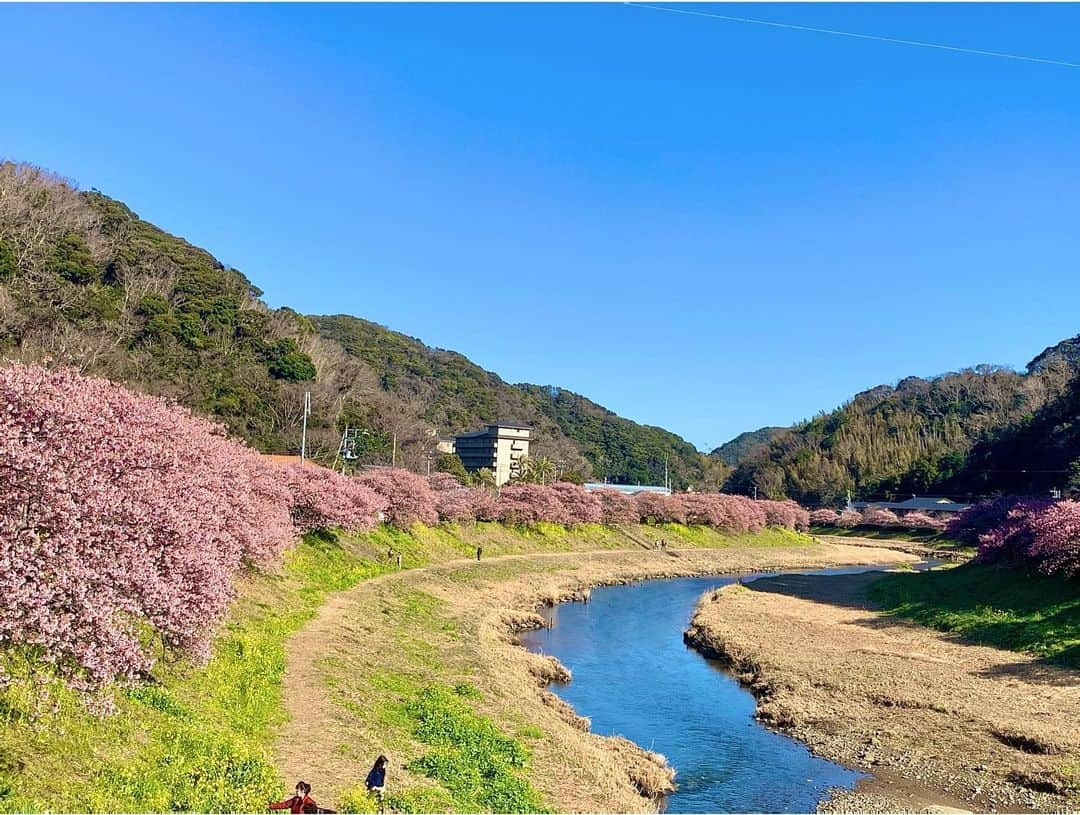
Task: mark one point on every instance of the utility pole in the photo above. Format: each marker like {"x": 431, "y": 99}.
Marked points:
{"x": 393, "y": 454}
{"x": 667, "y": 477}
{"x": 303, "y": 434}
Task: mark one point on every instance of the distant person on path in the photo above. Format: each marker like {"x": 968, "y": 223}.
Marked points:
{"x": 479, "y": 551}
{"x": 399, "y": 561}
{"x": 376, "y": 780}
{"x": 301, "y": 802}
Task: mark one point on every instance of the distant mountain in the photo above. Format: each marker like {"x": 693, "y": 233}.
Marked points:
{"x": 85, "y": 282}
{"x": 978, "y": 431}
{"x": 746, "y": 445}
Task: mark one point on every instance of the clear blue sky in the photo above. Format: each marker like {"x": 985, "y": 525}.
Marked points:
{"x": 704, "y": 225}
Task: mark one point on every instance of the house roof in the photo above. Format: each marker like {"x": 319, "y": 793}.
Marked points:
{"x": 926, "y": 504}
{"x": 628, "y": 489}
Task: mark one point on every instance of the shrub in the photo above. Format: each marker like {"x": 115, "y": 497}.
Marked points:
{"x": 522, "y": 504}
{"x": 1055, "y": 548}
{"x": 465, "y": 504}
{"x": 849, "y": 519}
{"x": 409, "y": 496}
{"x": 873, "y": 516}
{"x": 579, "y": 506}
{"x": 322, "y": 498}
{"x": 980, "y": 518}
{"x": 616, "y": 507}
{"x": 786, "y": 514}
{"x": 920, "y": 520}
{"x": 73, "y": 262}
{"x": 119, "y": 512}
{"x": 824, "y": 517}
{"x": 286, "y": 361}
{"x": 8, "y": 266}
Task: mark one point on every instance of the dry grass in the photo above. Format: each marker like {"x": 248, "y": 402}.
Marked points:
{"x": 993, "y": 728}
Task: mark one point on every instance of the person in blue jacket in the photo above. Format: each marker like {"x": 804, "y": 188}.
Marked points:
{"x": 376, "y": 780}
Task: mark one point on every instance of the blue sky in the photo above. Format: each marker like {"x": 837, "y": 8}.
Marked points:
{"x": 704, "y": 225}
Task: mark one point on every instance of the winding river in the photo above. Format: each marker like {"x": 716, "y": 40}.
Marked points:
{"x": 634, "y": 677}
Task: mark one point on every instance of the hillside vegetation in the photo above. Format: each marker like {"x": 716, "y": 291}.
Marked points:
{"x": 981, "y": 430}
{"x": 453, "y": 394}
{"x": 85, "y": 282}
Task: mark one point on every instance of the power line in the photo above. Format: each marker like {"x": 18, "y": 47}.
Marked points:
{"x": 894, "y": 40}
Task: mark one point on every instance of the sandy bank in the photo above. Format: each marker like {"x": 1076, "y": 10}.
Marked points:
{"x": 991, "y": 729}
{"x": 455, "y": 623}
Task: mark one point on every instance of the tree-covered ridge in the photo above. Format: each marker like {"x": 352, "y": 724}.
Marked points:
{"x": 85, "y": 282}
{"x": 454, "y": 394}
{"x": 916, "y": 437}
{"x": 746, "y": 445}
{"x": 624, "y": 451}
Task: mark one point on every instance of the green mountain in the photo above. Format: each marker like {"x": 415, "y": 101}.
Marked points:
{"x": 451, "y": 393}
{"x": 979, "y": 431}
{"x": 85, "y": 282}
{"x": 746, "y": 445}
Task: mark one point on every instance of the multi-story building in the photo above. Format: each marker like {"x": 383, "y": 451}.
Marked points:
{"x": 498, "y": 447}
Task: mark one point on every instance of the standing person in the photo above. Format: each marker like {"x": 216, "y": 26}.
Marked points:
{"x": 399, "y": 561}
{"x": 479, "y": 551}
{"x": 301, "y": 802}
{"x": 376, "y": 780}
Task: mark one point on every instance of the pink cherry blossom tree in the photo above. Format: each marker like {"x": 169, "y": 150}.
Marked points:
{"x": 410, "y": 497}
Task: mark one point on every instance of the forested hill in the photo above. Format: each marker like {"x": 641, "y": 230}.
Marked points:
{"x": 975, "y": 432}
{"x": 85, "y": 282}
{"x": 452, "y": 393}
{"x": 746, "y": 445}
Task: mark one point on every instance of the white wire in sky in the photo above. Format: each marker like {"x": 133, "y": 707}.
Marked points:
{"x": 893, "y": 40}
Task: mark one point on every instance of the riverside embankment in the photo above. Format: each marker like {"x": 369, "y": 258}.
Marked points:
{"x": 937, "y": 721}
{"x": 363, "y": 676}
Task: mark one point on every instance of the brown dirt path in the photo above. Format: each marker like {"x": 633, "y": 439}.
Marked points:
{"x": 334, "y": 731}
{"x": 992, "y": 728}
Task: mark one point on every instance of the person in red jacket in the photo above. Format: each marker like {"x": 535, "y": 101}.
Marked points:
{"x": 301, "y": 802}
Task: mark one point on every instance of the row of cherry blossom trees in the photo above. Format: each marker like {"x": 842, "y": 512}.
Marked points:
{"x": 876, "y": 517}
{"x": 570, "y": 504}
{"x": 124, "y": 520}
{"x": 1038, "y": 532}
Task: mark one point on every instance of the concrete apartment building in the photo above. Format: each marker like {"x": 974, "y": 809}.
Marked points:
{"x": 499, "y": 447}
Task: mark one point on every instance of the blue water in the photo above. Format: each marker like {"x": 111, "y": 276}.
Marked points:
{"x": 634, "y": 677}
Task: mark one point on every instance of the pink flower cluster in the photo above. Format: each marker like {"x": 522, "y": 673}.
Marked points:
{"x": 850, "y": 518}
{"x": 732, "y": 513}
{"x": 321, "y": 498}
{"x": 1034, "y": 531}
{"x": 122, "y": 513}
{"x": 410, "y": 498}
{"x": 570, "y": 504}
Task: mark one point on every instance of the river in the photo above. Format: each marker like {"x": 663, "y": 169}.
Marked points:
{"x": 634, "y": 677}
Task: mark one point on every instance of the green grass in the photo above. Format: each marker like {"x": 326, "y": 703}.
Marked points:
{"x": 199, "y": 738}
{"x": 1007, "y": 608}
{"x": 679, "y": 535}
{"x": 471, "y": 758}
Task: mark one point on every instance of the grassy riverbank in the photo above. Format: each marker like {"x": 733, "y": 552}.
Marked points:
{"x": 1008, "y": 608}
{"x": 362, "y": 673}
{"x": 987, "y": 728}
{"x": 202, "y": 738}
